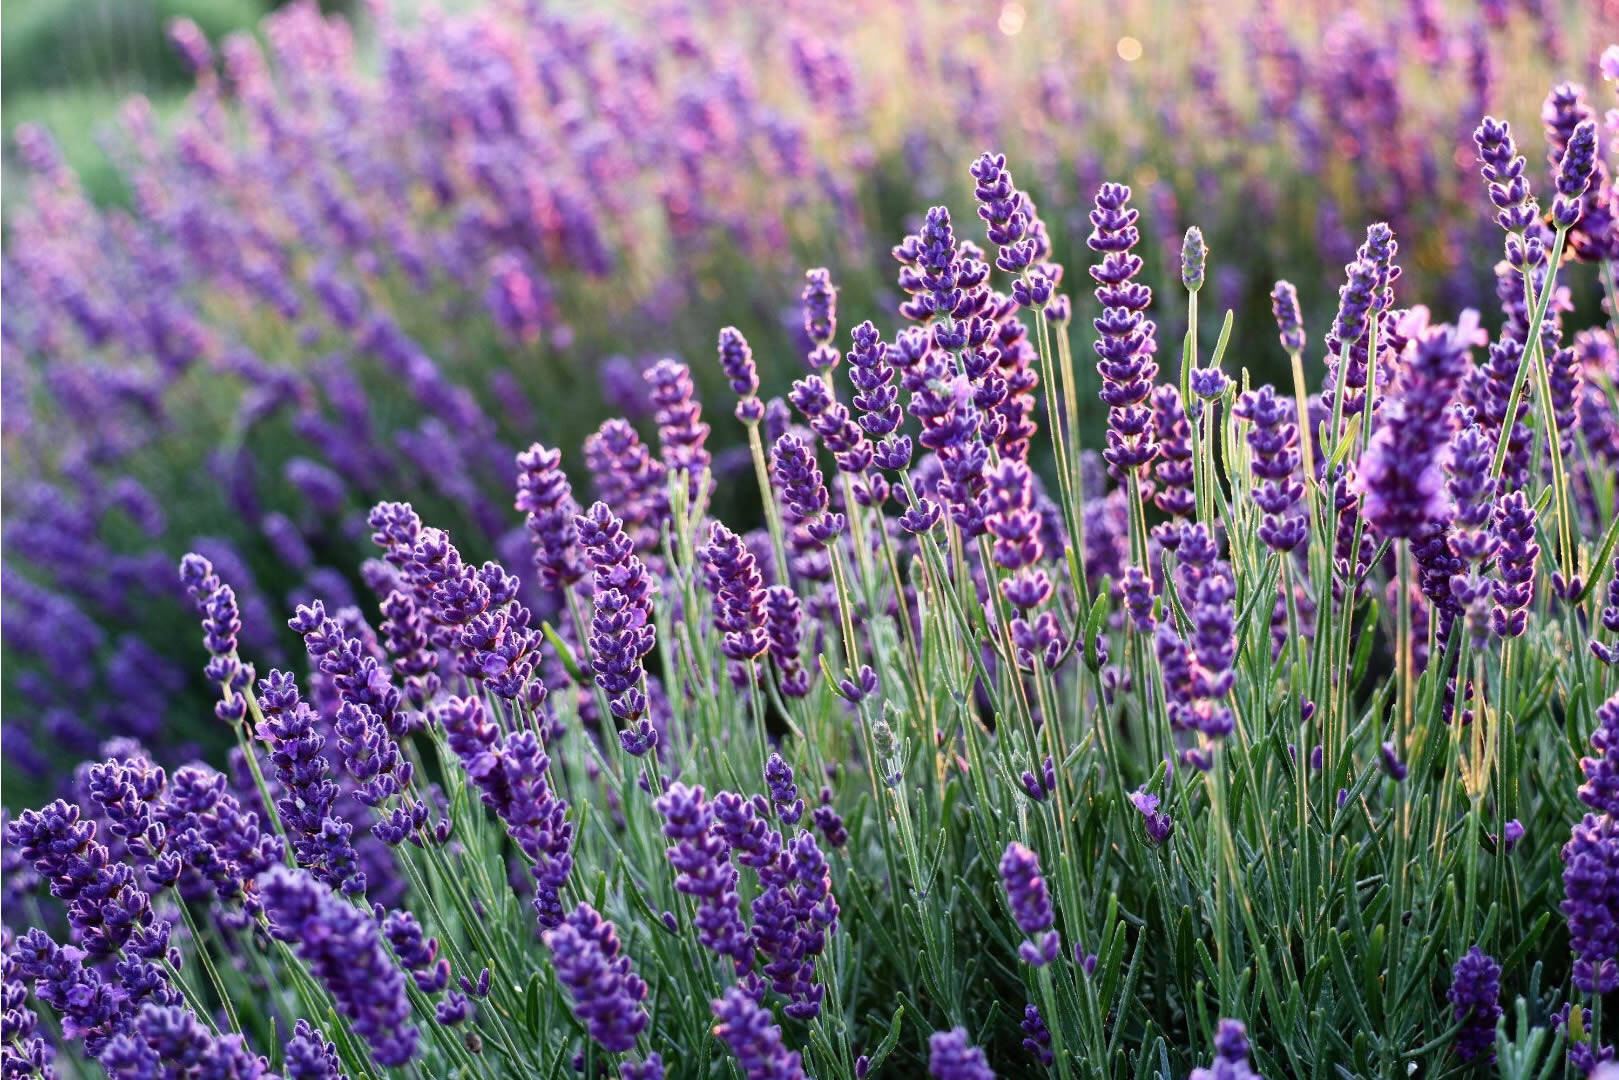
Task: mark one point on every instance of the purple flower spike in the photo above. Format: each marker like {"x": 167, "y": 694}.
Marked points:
{"x": 736, "y": 360}
{"x": 1590, "y": 901}
{"x": 732, "y": 575}
{"x": 1127, "y": 339}
{"x": 1475, "y": 996}
{"x": 310, "y": 1055}
{"x": 1601, "y": 788}
{"x": 1230, "y": 1055}
{"x": 607, "y": 995}
{"x": 803, "y": 491}
{"x": 952, "y": 1057}
{"x": 681, "y": 431}
{"x": 1503, "y": 169}
{"x": 621, "y": 629}
{"x": 343, "y": 949}
{"x": 1031, "y": 903}
{"x": 747, "y": 1028}
{"x": 820, "y": 319}
{"x": 1036, "y": 1036}
{"x": 546, "y": 497}
{"x": 1284, "y": 304}
{"x": 1515, "y": 558}
{"x": 1401, "y": 474}
{"x": 1574, "y": 174}
{"x": 784, "y": 617}
{"x": 703, "y": 871}
{"x": 1274, "y": 440}
{"x": 783, "y": 792}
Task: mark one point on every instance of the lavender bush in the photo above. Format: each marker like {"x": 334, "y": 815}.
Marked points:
{"x": 1017, "y": 721}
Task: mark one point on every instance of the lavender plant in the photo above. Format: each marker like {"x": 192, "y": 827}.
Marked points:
{"x": 995, "y": 744}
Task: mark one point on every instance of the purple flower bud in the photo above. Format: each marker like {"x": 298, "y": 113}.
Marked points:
{"x": 1193, "y": 256}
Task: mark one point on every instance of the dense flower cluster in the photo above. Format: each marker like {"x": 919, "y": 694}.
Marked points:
{"x": 763, "y": 784}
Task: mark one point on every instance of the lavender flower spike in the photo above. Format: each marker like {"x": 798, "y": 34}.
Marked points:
{"x": 1127, "y": 339}
{"x": 1574, "y": 175}
{"x": 343, "y": 949}
{"x": 546, "y": 497}
{"x": 952, "y": 1057}
{"x": 1401, "y": 473}
{"x": 732, "y": 575}
{"x": 1230, "y": 1055}
{"x": 1284, "y": 304}
{"x": 736, "y": 360}
{"x": 820, "y": 319}
{"x": 747, "y": 1028}
{"x": 607, "y": 995}
{"x": 1031, "y": 903}
{"x": 1475, "y": 992}
{"x": 803, "y": 490}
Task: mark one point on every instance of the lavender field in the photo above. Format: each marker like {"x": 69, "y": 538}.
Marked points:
{"x": 859, "y": 539}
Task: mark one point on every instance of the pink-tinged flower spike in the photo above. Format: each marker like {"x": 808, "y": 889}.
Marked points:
{"x": 1128, "y": 339}
{"x": 803, "y": 491}
{"x": 1515, "y": 557}
{"x": 748, "y": 1029}
{"x": 1400, "y": 475}
{"x": 1274, "y": 440}
{"x": 546, "y": 497}
{"x": 621, "y": 630}
{"x": 342, "y": 947}
{"x": 736, "y": 360}
{"x": 952, "y": 1057}
{"x": 1031, "y": 904}
{"x": 681, "y": 431}
{"x": 607, "y": 995}
{"x": 820, "y": 319}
